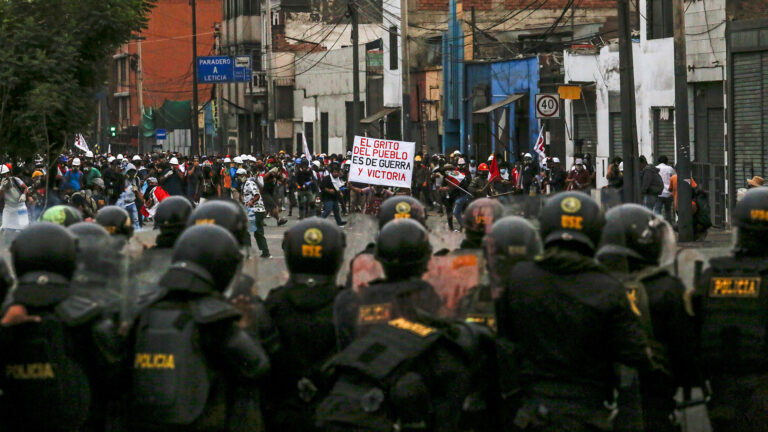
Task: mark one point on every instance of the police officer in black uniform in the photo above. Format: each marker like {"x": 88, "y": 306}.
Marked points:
{"x": 633, "y": 243}
{"x": 56, "y": 351}
{"x": 116, "y": 221}
{"x": 302, "y": 311}
{"x": 225, "y": 213}
{"x": 403, "y": 249}
{"x": 731, "y": 301}
{"x": 97, "y": 264}
{"x": 477, "y": 220}
{"x": 193, "y": 368}
{"x": 171, "y": 219}
{"x": 570, "y": 321}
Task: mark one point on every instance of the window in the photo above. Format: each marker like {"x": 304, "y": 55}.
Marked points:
{"x": 660, "y": 19}
{"x": 123, "y": 114}
{"x": 393, "y": 61}
{"x": 251, "y": 7}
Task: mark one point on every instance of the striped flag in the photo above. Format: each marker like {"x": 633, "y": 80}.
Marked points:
{"x": 539, "y": 147}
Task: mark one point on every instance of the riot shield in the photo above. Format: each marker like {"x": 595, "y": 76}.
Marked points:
{"x": 360, "y": 267}
{"x": 454, "y": 275}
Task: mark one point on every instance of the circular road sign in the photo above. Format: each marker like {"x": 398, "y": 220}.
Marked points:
{"x": 547, "y": 106}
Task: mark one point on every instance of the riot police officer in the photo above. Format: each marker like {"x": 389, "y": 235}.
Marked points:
{"x": 510, "y": 240}
{"x": 116, "y": 221}
{"x": 55, "y": 347}
{"x": 97, "y": 262}
{"x": 570, "y": 321}
{"x": 302, "y": 312}
{"x": 171, "y": 219}
{"x": 731, "y": 302}
{"x": 192, "y": 366}
{"x": 227, "y": 214}
{"x": 403, "y": 249}
{"x": 633, "y": 246}
{"x": 478, "y": 218}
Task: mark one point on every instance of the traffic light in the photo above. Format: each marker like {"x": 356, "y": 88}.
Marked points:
{"x": 113, "y": 131}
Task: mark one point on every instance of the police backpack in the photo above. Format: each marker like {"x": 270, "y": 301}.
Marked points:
{"x": 45, "y": 385}
{"x": 404, "y": 376}
{"x": 171, "y": 379}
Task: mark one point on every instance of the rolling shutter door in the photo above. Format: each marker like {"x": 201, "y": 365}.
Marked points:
{"x": 663, "y": 135}
{"x": 617, "y": 148}
{"x": 715, "y": 132}
{"x": 749, "y": 111}
{"x": 586, "y": 130}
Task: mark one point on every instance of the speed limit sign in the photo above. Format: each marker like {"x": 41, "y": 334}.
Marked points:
{"x": 547, "y": 105}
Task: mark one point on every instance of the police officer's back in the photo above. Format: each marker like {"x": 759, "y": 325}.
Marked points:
{"x": 193, "y": 368}
{"x": 570, "y": 321}
{"x": 634, "y": 244}
{"x": 478, "y": 218}
{"x": 732, "y": 306}
{"x": 53, "y": 346}
{"x": 302, "y": 312}
{"x": 403, "y": 249}
{"x": 171, "y": 219}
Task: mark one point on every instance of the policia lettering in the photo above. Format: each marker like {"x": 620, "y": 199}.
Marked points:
{"x": 154, "y": 361}
{"x": 735, "y": 287}
{"x": 29, "y": 371}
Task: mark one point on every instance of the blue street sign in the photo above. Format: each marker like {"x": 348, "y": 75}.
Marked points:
{"x": 161, "y": 134}
{"x": 243, "y": 69}
{"x": 216, "y": 69}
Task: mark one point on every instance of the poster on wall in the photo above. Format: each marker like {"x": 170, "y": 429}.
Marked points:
{"x": 382, "y": 162}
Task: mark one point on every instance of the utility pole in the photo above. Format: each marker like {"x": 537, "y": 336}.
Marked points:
{"x": 195, "y": 147}
{"x": 355, "y": 70}
{"x": 405, "y": 70}
{"x": 270, "y": 93}
{"x": 684, "y": 191}
{"x": 140, "y": 90}
{"x": 628, "y": 117}
{"x": 474, "y": 36}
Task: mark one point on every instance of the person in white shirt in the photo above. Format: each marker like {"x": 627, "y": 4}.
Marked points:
{"x": 663, "y": 205}
{"x": 257, "y": 212}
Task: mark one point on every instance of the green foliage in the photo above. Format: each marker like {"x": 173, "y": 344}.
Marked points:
{"x": 54, "y": 56}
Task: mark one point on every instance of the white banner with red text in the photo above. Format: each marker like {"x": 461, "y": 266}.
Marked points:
{"x": 382, "y": 162}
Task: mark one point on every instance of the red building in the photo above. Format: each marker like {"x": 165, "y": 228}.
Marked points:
{"x": 160, "y": 62}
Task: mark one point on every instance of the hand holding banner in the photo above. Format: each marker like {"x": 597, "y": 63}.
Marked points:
{"x": 382, "y": 162}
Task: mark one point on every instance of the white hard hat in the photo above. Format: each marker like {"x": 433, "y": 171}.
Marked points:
{"x": 579, "y": 162}
{"x": 241, "y": 171}
{"x": 227, "y": 160}
{"x": 490, "y": 158}
{"x": 556, "y": 160}
{"x": 462, "y": 161}
{"x": 527, "y": 155}
{"x": 621, "y": 166}
{"x": 119, "y": 157}
{"x": 4, "y": 169}
{"x": 136, "y": 158}
{"x": 238, "y": 160}
{"x": 316, "y": 163}
{"x": 174, "y": 161}
{"x": 243, "y": 156}
{"x": 89, "y": 154}
{"x": 76, "y": 162}
{"x": 111, "y": 159}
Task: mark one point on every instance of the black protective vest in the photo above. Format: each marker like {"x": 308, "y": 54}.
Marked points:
{"x": 733, "y": 298}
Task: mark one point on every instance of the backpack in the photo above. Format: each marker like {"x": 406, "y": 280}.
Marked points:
{"x": 171, "y": 380}
{"x": 207, "y": 188}
{"x": 43, "y": 384}
{"x": 702, "y": 217}
{"x": 657, "y": 184}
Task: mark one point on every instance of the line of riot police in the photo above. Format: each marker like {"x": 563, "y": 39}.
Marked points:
{"x": 577, "y": 325}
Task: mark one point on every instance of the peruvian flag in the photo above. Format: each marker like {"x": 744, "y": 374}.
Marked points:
{"x": 455, "y": 178}
{"x": 157, "y": 195}
{"x": 493, "y": 171}
{"x": 539, "y": 147}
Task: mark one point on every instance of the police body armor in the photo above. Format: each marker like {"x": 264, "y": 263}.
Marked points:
{"x": 48, "y": 379}
{"x": 734, "y": 305}
{"x": 172, "y": 380}
{"x": 387, "y": 380}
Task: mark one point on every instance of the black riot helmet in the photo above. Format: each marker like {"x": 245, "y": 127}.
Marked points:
{"x": 205, "y": 257}
{"x": 632, "y": 233}
{"x": 511, "y": 239}
{"x": 62, "y": 215}
{"x": 403, "y": 249}
{"x": 751, "y": 220}
{"x": 115, "y": 220}
{"x": 402, "y": 207}
{"x": 478, "y": 218}
{"x": 89, "y": 231}
{"x": 172, "y": 213}
{"x": 314, "y": 246}
{"x": 571, "y": 220}
{"x": 44, "y": 246}
{"x": 226, "y": 214}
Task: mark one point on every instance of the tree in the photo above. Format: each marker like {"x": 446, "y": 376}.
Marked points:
{"x": 54, "y": 57}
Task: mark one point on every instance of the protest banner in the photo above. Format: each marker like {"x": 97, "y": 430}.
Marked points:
{"x": 382, "y": 162}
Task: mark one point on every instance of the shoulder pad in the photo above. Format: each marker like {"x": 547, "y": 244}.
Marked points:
{"x": 651, "y": 272}
{"x": 78, "y": 310}
{"x": 149, "y": 297}
{"x": 211, "y": 309}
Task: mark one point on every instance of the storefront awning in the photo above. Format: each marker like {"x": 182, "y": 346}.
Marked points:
{"x": 508, "y": 100}
{"x": 384, "y": 112}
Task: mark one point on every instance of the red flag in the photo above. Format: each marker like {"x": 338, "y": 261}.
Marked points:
{"x": 493, "y": 172}
{"x": 455, "y": 178}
